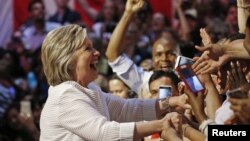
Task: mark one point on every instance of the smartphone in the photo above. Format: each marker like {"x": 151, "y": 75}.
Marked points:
{"x": 165, "y": 91}
{"x": 25, "y": 108}
{"x": 182, "y": 60}
{"x": 190, "y": 79}
{"x": 236, "y": 93}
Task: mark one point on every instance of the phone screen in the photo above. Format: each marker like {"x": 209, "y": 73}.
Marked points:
{"x": 182, "y": 60}
{"x": 25, "y": 108}
{"x": 165, "y": 91}
{"x": 190, "y": 79}
{"x": 185, "y": 60}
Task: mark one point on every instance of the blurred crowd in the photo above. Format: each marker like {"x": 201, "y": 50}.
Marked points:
{"x": 194, "y": 22}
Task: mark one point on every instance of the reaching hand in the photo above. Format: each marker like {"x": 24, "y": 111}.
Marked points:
{"x": 134, "y": 5}
{"x": 172, "y": 128}
{"x": 208, "y": 62}
{"x": 178, "y": 3}
{"x": 197, "y": 103}
{"x": 176, "y": 120}
{"x": 243, "y": 2}
{"x": 27, "y": 122}
{"x": 216, "y": 55}
{"x": 181, "y": 101}
{"x": 216, "y": 49}
{"x": 206, "y": 39}
{"x": 240, "y": 105}
{"x": 237, "y": 78}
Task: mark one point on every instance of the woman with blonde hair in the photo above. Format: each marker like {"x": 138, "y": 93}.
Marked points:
{"x": 77, "y": 109}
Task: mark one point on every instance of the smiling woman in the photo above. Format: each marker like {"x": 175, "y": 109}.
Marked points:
{"x": 76, "y": 106}
{"x": 86, "y": 61}
{"x": 59, "y": 52}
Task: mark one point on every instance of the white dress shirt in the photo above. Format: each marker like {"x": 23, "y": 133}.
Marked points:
{"x": 223, "y": 113}
{"x": 75, "y": 113}
{"x": 135, "y": 77}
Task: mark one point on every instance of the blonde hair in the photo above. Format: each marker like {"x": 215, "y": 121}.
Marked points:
{"x": 58, "y": 51}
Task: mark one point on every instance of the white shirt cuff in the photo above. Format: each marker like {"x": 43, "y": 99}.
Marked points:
{"x": 127, "y": 131}
{"x": 121, "y": 64}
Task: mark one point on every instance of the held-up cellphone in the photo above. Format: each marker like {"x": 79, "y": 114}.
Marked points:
{"x": 25, "y": 108}
{"x": 182, "y": 60}
{"x": 165, "y": 91}
{"x": 236, "y": 93}
{"x": 190, "y": 79}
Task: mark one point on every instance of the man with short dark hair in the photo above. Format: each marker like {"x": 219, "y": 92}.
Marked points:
{"x": 36, "y": 28}
{"x": 159, "y": 78}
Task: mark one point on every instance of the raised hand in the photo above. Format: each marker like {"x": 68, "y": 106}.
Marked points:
{"x": 243, "y": 3}
{"x": 237, "y": 78}
{"x": 134, "y": 5}
{"x": 206, "y": 39}
{"x": 216, "y": 49}
{"x": 178, "y": 3}
{"x": 27, "y": 121}
{"x": 210, "y": 60}
{"x": 218, "y": 54}
{"x": 205, "y": 64}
